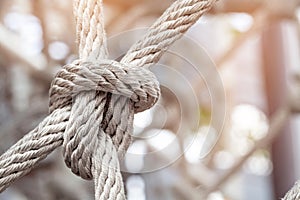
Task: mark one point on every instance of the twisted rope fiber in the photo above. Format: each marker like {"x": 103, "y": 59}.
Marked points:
{"x": 93, "y": 100}
{"x": 293, "y": 193}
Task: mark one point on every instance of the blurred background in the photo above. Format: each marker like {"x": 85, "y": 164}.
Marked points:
{"x": 220, "y": 129}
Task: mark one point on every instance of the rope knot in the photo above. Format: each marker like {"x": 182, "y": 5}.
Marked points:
{"x": 97, "y": 130}
{"x": 138, "y": 84}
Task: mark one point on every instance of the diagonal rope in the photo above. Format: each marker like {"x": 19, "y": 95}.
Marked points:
{"x": 92, "y": 109}
{"x": 293, "y": 193}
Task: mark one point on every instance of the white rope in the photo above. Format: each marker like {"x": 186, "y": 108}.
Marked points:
{"x": 92, "y": 100}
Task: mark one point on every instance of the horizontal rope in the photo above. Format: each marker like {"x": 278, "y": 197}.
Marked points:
{"x": 138, "y": 84}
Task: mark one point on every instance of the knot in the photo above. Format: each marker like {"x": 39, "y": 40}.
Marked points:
{"x": 136, "y": 83}
{"x": 99, "y": 126}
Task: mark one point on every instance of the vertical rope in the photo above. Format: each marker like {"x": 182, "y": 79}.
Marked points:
{"x": 92, "y": 45}
{"x": 90, "y": 32}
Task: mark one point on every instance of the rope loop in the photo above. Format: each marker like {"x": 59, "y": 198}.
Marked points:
{"x": 136, "y": 83}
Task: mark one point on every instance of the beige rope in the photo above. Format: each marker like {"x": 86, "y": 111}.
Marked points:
{"x": 93, "y": 100}
{"x": 91, "y": 36}
{"x": 294, "y": 193}
{"x": 90, "y": 155}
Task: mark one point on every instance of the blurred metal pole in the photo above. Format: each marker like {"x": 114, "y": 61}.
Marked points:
{"x": 275, "y": 68}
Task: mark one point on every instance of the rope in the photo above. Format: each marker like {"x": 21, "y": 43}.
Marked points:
{"x": 93, "y": 100}
{"x": 293, "y": 193}
{"x": 91, "y": 36}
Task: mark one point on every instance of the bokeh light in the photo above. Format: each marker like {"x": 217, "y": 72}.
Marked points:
{"x": 135, "y": 188}
{"x": 58, "y": 50}
{"x": 248, "y": 121}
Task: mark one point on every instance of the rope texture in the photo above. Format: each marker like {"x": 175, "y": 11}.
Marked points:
{"x": 293, "y": 193}
{"x": 93, "y": 100}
